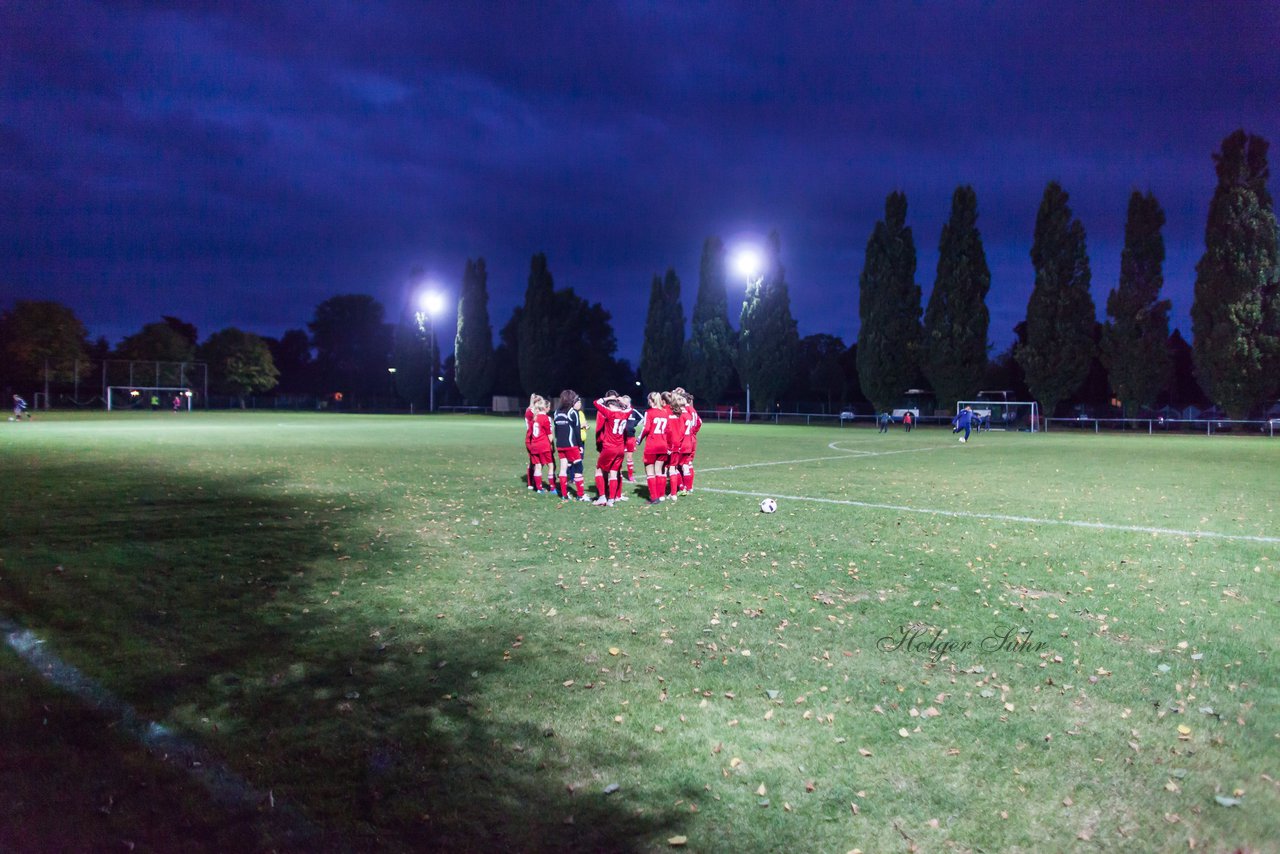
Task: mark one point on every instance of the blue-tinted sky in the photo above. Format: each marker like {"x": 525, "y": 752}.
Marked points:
{"x": 236, "y": 163}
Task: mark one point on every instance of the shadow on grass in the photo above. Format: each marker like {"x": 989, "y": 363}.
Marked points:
{"x": 195, "y": 599}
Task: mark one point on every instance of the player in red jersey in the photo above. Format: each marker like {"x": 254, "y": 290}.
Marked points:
{"x": 629, "y": 438}
{"x": 537, "y": 440}
{"x": 528, "y": 427}
{"x": 675, "y": 441}
{"x": 689, "y": 447}
{"x": 611, "y": 422}
{"x": 653, "y": 435}
{"x": 568, "y": 432}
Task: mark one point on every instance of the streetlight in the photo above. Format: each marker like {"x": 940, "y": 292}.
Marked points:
{"x": 749, "y": 263}
{"x": 430, "y": 303}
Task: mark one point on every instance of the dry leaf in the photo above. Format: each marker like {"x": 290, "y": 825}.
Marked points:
{"x": 903, "y": 732}
{"x": 864, "y": 751}
{"x": 762, "y": 791}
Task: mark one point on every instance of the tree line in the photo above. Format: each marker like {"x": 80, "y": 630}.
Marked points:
{"x": 557, "y": 338}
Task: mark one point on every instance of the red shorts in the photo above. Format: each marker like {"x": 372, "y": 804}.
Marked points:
{"x": 610, "y": 459}
{"x": 629, "y": 443}
{"x": 540, "y": 457}
{"x": 674, "y": 459}
{"x": 573, "y": 455}
{"x": 653, "y": 455}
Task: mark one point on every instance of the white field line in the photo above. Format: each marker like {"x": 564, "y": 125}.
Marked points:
{"x": 1000, "y": 517}
{"x": 846, "y": 454}
{"x": 167, "y": 746}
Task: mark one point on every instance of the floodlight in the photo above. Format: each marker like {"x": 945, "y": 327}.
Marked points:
{"x": 748, "y": 262}
{"x": 431, "y": 303}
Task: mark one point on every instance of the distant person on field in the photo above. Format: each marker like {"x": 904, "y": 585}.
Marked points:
{"x": 177, "y": 403}
{"x": 963, "y": 421}
{"x": 155, "y": 402}
{"x": 885, "y": 420}
{"x": 19, "y": 407}
{"x": 908, "y": 420}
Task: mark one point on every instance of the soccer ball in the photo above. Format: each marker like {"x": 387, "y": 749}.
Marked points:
{"x": 962, "y": 440}
{"x": 768, "y": 505}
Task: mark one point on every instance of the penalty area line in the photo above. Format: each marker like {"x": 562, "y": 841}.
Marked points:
{"x": 1000, "y": 517}
{"x": 845, "y": 455}
{"x": 221, "y": 782}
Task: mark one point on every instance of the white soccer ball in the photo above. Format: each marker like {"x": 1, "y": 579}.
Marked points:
{"x": 768, "y": 506}
{"x": 962, "y": 440}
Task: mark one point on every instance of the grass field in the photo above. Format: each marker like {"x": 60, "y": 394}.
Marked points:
{"x": 1056, "y": 642}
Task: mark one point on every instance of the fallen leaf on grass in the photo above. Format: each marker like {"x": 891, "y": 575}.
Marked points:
{"x": 1227, "y": 802}
{"x": 762, "y": 791}
{"x": 864, "y": 751}
{"x": 677, "y": 841}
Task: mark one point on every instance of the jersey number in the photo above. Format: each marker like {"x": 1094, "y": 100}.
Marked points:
{"x": 619, "y": 426}
{"x": 659, "y": 425}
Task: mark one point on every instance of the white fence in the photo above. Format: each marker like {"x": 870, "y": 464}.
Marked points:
{"x": 1151, "y": 426}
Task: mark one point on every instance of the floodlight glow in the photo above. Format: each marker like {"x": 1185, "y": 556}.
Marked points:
{"x": 748, "y": 262}
{"x": 431, "y": 303}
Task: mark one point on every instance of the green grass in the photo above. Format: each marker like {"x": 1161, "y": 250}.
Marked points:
{"x": 371, "y": 618}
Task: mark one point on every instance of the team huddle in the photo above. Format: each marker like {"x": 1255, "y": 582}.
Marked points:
{"x": 667, "y": 431}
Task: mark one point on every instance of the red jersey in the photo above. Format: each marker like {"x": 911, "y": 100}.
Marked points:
{"x": 537, "y": 437}
{"x": 655, "y": 430}
{"x": 610, "y": 426}
{"x": 675, "y": 433}
{"x": 692, "y": 424}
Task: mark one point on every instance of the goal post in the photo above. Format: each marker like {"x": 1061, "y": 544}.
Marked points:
{"x": 1005, "y": 414}
{"x": 139, "y": 397}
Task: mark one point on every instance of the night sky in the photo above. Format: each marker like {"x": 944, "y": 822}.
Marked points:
{"x": 236, "y": 163}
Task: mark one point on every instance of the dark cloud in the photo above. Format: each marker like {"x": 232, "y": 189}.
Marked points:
{"x": 238, "y": 162}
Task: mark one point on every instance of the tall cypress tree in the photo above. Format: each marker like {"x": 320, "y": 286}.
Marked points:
{"x": 661, "y": 354}
{"x": 956, "y": 320}
{"x": 474, "y": 363}
{"x": 536, "y": 345}
{"x": 1235, "y": 317}
{"x": 768, "y": 339}
{"x": 1135, "y": 339}
{"x": 1060, "y": 314}
{"x": 889, "y": 308}
{"x": 709, "y": 351}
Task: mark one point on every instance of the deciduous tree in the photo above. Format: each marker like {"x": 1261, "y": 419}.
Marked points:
{"x": 1235, "y": 318}
{"x": 474, "y": 363}
{"x": 956, "y": 320}
{"x": 889, "y": 309}
{"x": 1059, "y": 343}
{"x": 1135, "y": 338}
{"x": 709, "y": 351}
{"x": 768, "y": 338}
{"x": 660, "y": 356}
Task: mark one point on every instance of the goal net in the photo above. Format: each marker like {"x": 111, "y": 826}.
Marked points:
{"x": 148, "y": 397}
{"x": 1004, "y": 414}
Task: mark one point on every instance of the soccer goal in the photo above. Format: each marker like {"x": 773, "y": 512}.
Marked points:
{"x": 1004, "y": 414}
{"x": 139, "y": 397}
